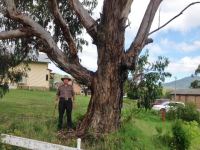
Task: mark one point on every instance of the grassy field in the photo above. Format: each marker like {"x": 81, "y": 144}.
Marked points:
{"x": 30, "y": 114}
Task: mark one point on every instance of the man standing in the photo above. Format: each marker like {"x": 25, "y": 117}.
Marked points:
{"x": 66, "y": 97}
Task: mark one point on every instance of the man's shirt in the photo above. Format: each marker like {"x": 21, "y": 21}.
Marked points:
{"x": 65, "y": 91}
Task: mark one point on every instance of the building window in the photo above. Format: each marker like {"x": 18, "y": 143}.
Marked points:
{"x": 47, "y": 77}
{"x": 23, "y": 80}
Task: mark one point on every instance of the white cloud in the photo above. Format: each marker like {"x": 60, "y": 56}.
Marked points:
{"x": 89, "y": 54}
{"x": 168, "y": 9}
{"x": 188, "y": 20}
{"x": 89, "y": 58}
{"x": 182, "y": 46}
{"x": 155, "y": 49}
{"x": 188, "y": 47}
{"x": 184, "y": 65}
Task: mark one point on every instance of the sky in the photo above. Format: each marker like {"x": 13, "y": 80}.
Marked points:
{"x": 179, "y": 41}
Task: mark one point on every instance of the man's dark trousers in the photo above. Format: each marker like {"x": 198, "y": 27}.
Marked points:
{"x": 65, "y": 105}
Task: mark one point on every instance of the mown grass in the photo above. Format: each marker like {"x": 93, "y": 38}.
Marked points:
{"x": 31, "y": 114}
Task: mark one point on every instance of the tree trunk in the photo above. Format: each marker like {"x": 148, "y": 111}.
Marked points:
{"x": 104, "y": 110}
{"x": 105, "y": 105}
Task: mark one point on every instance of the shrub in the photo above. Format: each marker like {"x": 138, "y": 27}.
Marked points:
{"x": 132, "y": 94}
{"x": 164, "y": 137}
{"x": 177, "y": 113}
{"x": 187, "y": 113}
{"x": 181, "y": 140}
{"x": 193, "y": 132}
{"x": 190, "y": 113}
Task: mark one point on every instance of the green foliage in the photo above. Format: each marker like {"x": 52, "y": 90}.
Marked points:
{"x": 181, "y": 136}
{"x": 3, "y": 89}
{"x": 197, "y": 71}
{"x": 164, "y": 136}
{"x": 30, "y": 114}
{"x": 195, "y": 84}
{"x": 38, "y": 11}
{"x": 166, "y": 94}
{"x": 190, "y": 113}
{"x": 147, "y": 78}
{"x": 15, "y": 51}
{"x": 193, "y": 131}
{"x": 181, "y": 140}
{"x": 133, "y": 93}
{"x": 187, "y": 113}
{"x": 9, "y": 59}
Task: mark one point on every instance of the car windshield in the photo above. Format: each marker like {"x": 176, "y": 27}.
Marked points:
{"x": 160, "y": 101}
{"x": 164, "y": 103}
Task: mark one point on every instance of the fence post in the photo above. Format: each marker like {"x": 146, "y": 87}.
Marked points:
{"x": 78, "y": 144}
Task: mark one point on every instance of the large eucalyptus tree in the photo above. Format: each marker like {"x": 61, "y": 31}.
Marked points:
{"x": 44, "y": 24}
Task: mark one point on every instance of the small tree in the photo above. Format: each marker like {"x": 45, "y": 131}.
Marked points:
{"x": 147, "y": 80}
{"x": 196, "y": 83}
{"x": 9, "y": 59}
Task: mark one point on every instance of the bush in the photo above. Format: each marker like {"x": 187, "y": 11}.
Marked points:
{"x": 164, "y": 136}
{"x": 193, "y": 131}
{"x": 132, "y": 94}
{"x": 177, "y": 113}
{"x": 190, "y": 113}
{"x": 181, "y": 140}
{"x": 187, "y": 113}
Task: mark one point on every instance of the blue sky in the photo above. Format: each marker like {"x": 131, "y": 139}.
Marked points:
{"x": 179, "y": 41}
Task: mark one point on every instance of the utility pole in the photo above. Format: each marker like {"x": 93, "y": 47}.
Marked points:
{"x": 175, "y": 89}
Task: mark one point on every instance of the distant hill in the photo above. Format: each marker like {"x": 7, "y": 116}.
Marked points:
{"x": 183, "y": 83}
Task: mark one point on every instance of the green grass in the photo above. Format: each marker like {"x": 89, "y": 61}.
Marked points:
{"x": 30, "y": 114}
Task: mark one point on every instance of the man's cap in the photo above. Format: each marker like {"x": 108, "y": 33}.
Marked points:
{"x": 66, "y": 77}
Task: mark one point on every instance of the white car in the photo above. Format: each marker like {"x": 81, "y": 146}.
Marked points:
{"x": 168, "y": 105}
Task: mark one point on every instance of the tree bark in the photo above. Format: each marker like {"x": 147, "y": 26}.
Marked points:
{"x": 104, "y": 110}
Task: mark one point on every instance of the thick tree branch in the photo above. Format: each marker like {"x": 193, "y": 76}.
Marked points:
{"x": 87, "y": 21}
{"x": 115, "y": 14}
{"x": 142, "y": 36}
{"x": 51, "y": 49}
{"x": 18, "y": 33}
{"x": 174, "y": 17}
{"x": 64, "y": 27}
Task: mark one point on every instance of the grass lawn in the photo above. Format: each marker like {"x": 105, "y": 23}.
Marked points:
{"x": 30, "y": 114}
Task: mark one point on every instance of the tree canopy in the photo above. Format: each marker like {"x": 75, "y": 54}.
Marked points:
{"x": 196, "y": 83}
{"x": 147, "y": 79}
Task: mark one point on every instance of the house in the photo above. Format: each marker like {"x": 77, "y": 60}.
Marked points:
{"x": 42, "y": 78}
{"x": 38, "y": 76}
{"x": 187, "y": 96}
